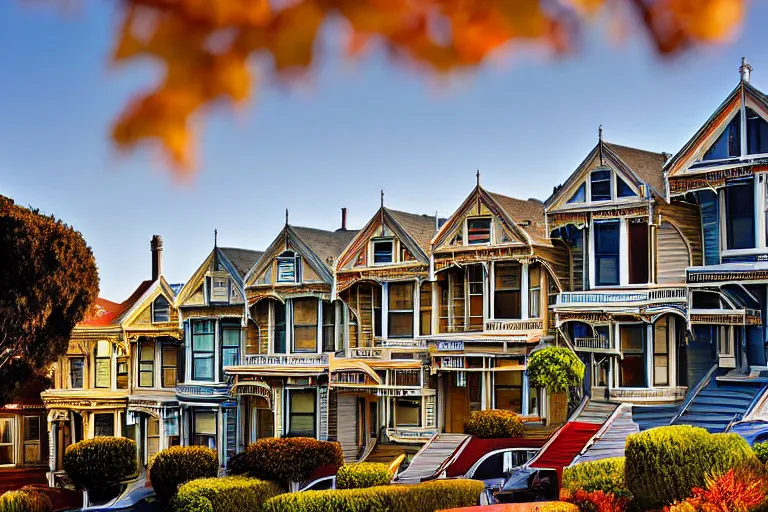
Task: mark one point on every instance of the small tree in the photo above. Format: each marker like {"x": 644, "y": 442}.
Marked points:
{"x": 99, "y": 463}
{"x": 555, "y": 368}
{"x": 173, "y": 466}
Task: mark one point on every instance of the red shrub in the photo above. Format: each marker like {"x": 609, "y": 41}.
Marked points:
{"x": 595, "y": 501}
{"x": 728, "y": 493}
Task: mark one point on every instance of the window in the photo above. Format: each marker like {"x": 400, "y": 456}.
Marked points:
{"x": 32, "y": 439}
{"x": 400, "y": 310}
{"x": 632, "y": 365}
{"x": 6, "y": 440}
{"x": 230, "y": 345}
{"x": 122, "y": 372}
{"x": 509, "y": 390}
{"x": 478, "y": 231}
{"x": 475, "y": 296}
{"x": 301, "y": 421}
{"x": 506, "y": 301}
{"x": 203, "y": 340}
{"x": 305, "y": 325}
{"x": 76, "y": 372}
{"x": 104, "y": 425}
{"x": 230, "y": 426}
{"x": 172, "y": 429}
{"x": 728, "y": 144}
{"x": 376, "y": 296}
{"x": 623, "y": 189}
{"x": 740, "y": 214}
{"x": 405, "y": 254}
{"x": 661, "y": 353}
{"x": 153, "y": 436}
{"x": 382, "y": 251}
{"x": 219, "y": 289}
{"x": 725, "y": 341}
{"x": 534, "y": 291}
{"x": 607, "y": 253}
{"x": 329, "y": 322}
{"x": 204, "y": 429}
{"x": 638, "y": 252}
{"x": 287, "y": 264}
{"x": 580, "y": 195}
{"x": 170, "y": 362}
{"x": 278, "y": 328}
{"x": 146, "y": 364}
{"x": 161, "y": 310}
{"x": 757, "y": 134}
{"x": 425, "y": 303}
{"x": 103, "y": 364}
{"x": 408, "y": 412}
{"x": 502, "y": 464}
{"x": 600, "y": 182}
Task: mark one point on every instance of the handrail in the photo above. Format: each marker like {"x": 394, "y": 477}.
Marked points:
{"x": 736, "y": 417}
{"x": 579, "y": 408}
{"x": 369, "y": 446}
{"x": 450, "y": 460}
{"x": 606, "y": 426}
{"x": 693, "y": 392}
{"x": 421, "y": 450}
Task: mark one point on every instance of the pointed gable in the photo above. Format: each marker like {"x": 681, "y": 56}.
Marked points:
{"x": 155, "y": 308}
{"x": 219, "y": 279}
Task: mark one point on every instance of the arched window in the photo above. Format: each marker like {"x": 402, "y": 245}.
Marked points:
{"x": 161, "y": 310}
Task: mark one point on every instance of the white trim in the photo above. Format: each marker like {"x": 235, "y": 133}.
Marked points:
{"x": 624, "y": 252}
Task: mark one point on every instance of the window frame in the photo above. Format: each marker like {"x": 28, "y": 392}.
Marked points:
{"x": 33, "y": 442}
{"x": 328, "y": 326}
{"x": 610, "y": 181}
{"x": 302, "y": 391}
{"x": 728, "y": 216}
{"x": 286, "y": 258}
{"x": 143, "y": 363}
{"x": 500, "y": 292}
{"x": 597, "y": 255}
{"x": 383, "y": 240}
{"x": 196, "y": 435}
{"x": 106, "y": 415}
{"x": 467, "y": 229}
{"x": 148, "y": 437}
{"x": 71, "y": 372}
{"x": 98, "y": 360}
{"x": 203, "y": 354}
{"x": 425, "y": 308}
{"x": 164, "y": 366}
{"x": 400, "y": 312}
{"x": 534, "y": 291}
{"x": 314, "y": 302}
{"x": 8, "y": 420}
{"x": 643, "y": 352}
{"x": 413, "y": 399}
{"x": 278, "y": 327}
{"x": 156, "y": 311}
{"x": 219, "y": 298}
{"x": 228, "y": 325}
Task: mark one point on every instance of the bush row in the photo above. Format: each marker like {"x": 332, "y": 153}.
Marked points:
{"x": 362, "y": 475}
{"x": 493, "y": 423}
{"x": 100, "y": 462}
{"x": 25, "y": 500}
{"x": 172, "y": 467}
{"x": 228, "y": 494}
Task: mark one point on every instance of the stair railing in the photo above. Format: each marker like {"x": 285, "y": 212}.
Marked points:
{"x": 736, "y": 417}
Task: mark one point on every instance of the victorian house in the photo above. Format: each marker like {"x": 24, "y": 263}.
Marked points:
{"x": 293, "y": 332}
{"x": 492, "y": 272}
{"x": 212, "y": 312}
{"x": 382, "y": 278}
{"x": 23, "y": 433}
{"x": 625, "y": 310}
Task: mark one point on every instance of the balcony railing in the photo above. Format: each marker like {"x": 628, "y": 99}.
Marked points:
{"x": 599, "y": 344}
{"x": 638, "y": 297}
{"x": 365, "y": 353}
{"x": 401, "y": 343}
{"x": 287, "y": 360}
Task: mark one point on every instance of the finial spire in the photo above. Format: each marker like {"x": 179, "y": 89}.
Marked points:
{"x": 600, "y": 142}
{"x": 215, "y": 237}
{"x": 286, "y": 216}
{"x": 477, "y": 175}
{"x": 744, "y": 70}
{"x": 600, "y": 133}
{"x": 382, "y": 199}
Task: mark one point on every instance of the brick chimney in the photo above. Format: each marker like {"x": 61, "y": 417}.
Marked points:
{"x": 343, "y": 219}
{"x": 156, "y": 246}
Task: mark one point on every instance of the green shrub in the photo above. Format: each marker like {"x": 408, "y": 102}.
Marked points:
{"x": 170, "y": 468}
{"x": 290, "y": 459}
{"x": 761, "y": 450}
{"x": 605, "y": 475}
{"x": 663, "y": 464}
{"x": 228, "y": 494}
{"x": 555, "y": 368}
{"x": 493, "y": 423}
{"x": 424, "y": 497}
{"x": 100, "y": 462}
{"x": 25, "y": 500}
{"x": 557, "y": 506}
{"x": 362, "y": 475}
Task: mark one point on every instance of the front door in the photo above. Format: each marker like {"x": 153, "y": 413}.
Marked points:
{"x": 458, "y": 402}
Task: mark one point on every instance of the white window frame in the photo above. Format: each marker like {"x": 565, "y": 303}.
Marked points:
{"x": 491, "y": 230}
{"x": 219, "y": 297}
{"x": 296, "y": 261}
{"x": 154, "y": 301}
{"x": 393, "y": 253}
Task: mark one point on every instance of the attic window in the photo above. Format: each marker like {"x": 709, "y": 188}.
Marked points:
{"x": 405, "y": 254}
{"x": 286, "y": 267}
{"x": 580, "y": 195}
{"x": 623, "y": 189}
{"x": 219, "y": 289}
{"x": 600, "y": 182}
{"x": 728, "y": 144}
{"x": 383, "y": 251}
{"x": 161, "y": 310}
{"x": 757, "y": 133}
{"x": 479, "y": 231}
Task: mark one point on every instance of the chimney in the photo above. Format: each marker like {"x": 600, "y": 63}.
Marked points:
{"x": 744, "y": 70}
{"x": 343, "y": 219}
{"x": 156, "y": 245}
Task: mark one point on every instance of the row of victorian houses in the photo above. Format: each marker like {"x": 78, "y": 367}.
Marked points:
{"x": 651, "y": 267}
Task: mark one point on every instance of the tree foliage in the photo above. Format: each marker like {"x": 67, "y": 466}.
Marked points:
{"x": 48, "y": 280}
{"x": 555, "y": 368}
{"x": 205, "y": 46}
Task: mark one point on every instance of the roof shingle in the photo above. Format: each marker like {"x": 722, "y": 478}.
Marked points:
{"x": 420, "y": 227}
{"x": 646, "y": 165}
{"x": 242, "y": 259}
{"x": 327, "y": 245}
{"x": 527, "y": 213}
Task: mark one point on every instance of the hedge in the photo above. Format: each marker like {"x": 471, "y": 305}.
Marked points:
{"x": 363, "y": 474}
{"x": 173, "y": 466}
{"x": 100, "y": 462}
{"x": 663, "y": 464}
{"x": 25, "y": 501}
{"x": 761, "y": 450}
{"x": 605, "y": 475}
{"x": 289, "y": 459}
{"x": 555, "y": 368}
{"x": 493, "y": 423}
{"x": 228, "y": 494}
{"x": 557, "y": 506}
{"x": 424, "y": 497}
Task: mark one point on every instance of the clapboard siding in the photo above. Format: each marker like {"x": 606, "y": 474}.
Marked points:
{"x": 686, "y": 217}
{"x": 711, "y": 226}
{"x": 673, "y": 255}
{"x": 346, "y": 429}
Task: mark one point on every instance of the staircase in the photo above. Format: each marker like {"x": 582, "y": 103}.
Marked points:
{"x": 429, "y": 459}
{"x": 387, "y": 452}
{"x": 719, "y": 402}
{"x": 611, "y": 439}
{"x": 650, "y": 416}
{"x": 564, "y": 446}
{"x": 596, "y": 412}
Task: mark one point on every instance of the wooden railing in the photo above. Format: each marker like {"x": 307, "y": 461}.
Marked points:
{"x": 643, "y": 296}
{"x": 599, "y": 343}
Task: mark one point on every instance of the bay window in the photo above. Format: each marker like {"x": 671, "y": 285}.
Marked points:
{"x": 607, "y": 253}
{"x": 301, "y": 420}
{"x": 230, "y": 344}
{"x": 146, "y": 364}
{"x": 401, "y": 310}
{"x": 305, "y": 325}
{"x": 462, "y": 294}
{"x": 506, "y": 301}
{"x": 632, "y": 364}
{"x": 740, "y": 214}
{"x": 103, "y": 364}
{"x": 203, "y": 340}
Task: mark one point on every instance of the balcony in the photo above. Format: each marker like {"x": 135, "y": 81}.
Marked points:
{"x": 726, "y": 316}
{"x": 598, "y": 345}
{"x": 643, "y": 395}
{"x": 287, "y": 360}
{"x": 621, "y": 299}
{"x": 365, "y": 353}
{"x": 305, "y": 365}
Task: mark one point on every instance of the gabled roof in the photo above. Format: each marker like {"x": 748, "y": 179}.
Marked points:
{"x": 105, "y": 313}
{"x": 646, "y": 165}
{"x": 242, "y": 259}
{"x": 420, "y": 227}
{"x": 526, "y": 213}
{"x": 150, "y": 293}
{"x": 237, "y": 262}
{"x": 327, "y": 245}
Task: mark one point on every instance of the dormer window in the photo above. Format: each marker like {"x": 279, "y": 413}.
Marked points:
{"x": 219, "y": 289}
{"x": 580, "y": 195}
{"x": 757, "y": 134}
{"x": 383, "y": 251}
{"x": 478, "y": 231}
{"x": 600, "y": 185}
{"x": 728, "y": 144}
{"x": 287, "y": 263}
{"x": 623, "y": 189}
{"x": 161, "y": 310}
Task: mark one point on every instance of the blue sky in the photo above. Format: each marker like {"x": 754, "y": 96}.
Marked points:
{"x": 357, "y": 129}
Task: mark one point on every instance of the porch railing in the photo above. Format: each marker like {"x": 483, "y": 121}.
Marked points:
{"x": 287, "y": 360}
{"x": 600, "y": 343}
{"x": 648, "y": 296}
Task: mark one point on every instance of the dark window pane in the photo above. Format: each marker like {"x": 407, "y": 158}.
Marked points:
{"x": 728, "y": 144}
{"x": 478, "y": 231}
{"x": 382, "y": 251}
{"x": 600, "y": 182}
{"x": 161, "y": 310}
{"x": 607, "y": 253}
{"x": 638, "y": 253}
{"x": 624, "y": 190}
{"x": 278, "y": 329}
{"x": 580, "y": 195}
{"x": 104, "y": 425}
{"x": 740, "y": 215}
{"x": 76, "y": 372}
{"x": 757, "y": 134}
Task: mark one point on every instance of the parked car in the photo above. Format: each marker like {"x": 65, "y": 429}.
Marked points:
{"x": 526, "y": 485}
{"x": 133, "y": 496}
{"x": 494, "y": 468}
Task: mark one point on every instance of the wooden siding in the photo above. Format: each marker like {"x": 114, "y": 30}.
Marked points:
{"x": 687, "y": 218}
{"x": 710, "y": 226}
{"x": 346, "y": 413}
{"x": 673, "y": 255}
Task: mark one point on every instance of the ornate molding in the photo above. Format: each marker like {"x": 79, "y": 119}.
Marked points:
{"x": 681, "y": 184}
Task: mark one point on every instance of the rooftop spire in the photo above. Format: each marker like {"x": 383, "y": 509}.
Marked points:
{"x": 600, "y": 142}
{"x": 744, "y": 70}
{"x": 477, "y": 175}
{"x": 215, "y": 237}
{"x": 286, "y": 216}
{"x": 382, "y": 199}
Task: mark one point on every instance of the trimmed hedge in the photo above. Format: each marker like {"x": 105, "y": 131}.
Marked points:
{"x": 557, "y": 506}
{"x": 493, "y": 423}
{"x": 25, "y": 501}
{"x": 100, "y": 462}
{"x": 173, "y": 466}
{"x": 424, "y": 497}
{"x": 605, "y": 475}
{"x": 761, "y": 450}
{"x": 228, "y": 494}
{"x": 363, "y": 474}
{"x": 288, "y": 459}
{"x": 663, "y": 464}
{"x": 555, "y": 368}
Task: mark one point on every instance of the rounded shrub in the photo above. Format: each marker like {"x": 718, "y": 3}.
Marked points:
{"x": 285, "y": 460}
{"x": 761, "y": 450}
{"x": 557, "y": 506}
{"x": 101, "y": 462}
{"x": 228, "y": 494}
{"x": 493, "y": 423}
{"x": 173, "y": 466}
{"x": 25, "y": 500}
{"x": 663, "y": 464}
{"x": 555, "y": 368}
{"x": 363, "y": 474}
{"x": 605, "y": 475}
